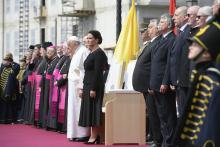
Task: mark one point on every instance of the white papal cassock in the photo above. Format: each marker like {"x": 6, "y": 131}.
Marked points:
{"x": 75, "y": 82}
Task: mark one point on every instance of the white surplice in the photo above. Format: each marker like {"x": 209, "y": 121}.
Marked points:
{"x": 75, "y": 82}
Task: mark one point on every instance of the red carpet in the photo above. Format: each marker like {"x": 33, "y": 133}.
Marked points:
{"x": 28, "y": 136}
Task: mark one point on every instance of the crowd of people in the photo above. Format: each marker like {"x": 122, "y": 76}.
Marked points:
{"x": 177, "y": 72}
{"x": 61, "y": 88}
{"x": 58, "y": 88}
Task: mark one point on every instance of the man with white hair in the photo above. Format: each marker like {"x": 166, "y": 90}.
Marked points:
{"x": 180, "y": 20}
{"x": 75, "y": 84}
{"x": 216, "y": 8}
{"x": 85, "y": 40}
{"x": 203, "y": 15}
{"x": 61, "y": 90}
{"x": 192, "y": 13}
{"x": 55, "y": 94}
{"x": 179, "y": 73}
{"x": 48, "y": 120}
{"x": 60, "y": 50}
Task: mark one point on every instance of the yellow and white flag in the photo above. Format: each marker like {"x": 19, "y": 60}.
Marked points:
{"x": 126, "y": 50}
{"x": 128, "y": 43}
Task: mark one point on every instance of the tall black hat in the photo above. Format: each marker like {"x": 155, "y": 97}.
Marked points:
{"x": 38, "y": 46}
{"x": 8, "y": 57}
{"x": 31, "y": 47}
{"x": 46, "y": 44}
{"x": 209, "y": 38}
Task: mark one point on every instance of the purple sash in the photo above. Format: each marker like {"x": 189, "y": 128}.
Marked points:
{"x": 54, "y": 91}
{"x": 48, "y": 76}
{"x": 61, "y": 111}
{"x": 31, "y": 79}
{"x": 38, "y": 79}
{"x": 34, "y": 79}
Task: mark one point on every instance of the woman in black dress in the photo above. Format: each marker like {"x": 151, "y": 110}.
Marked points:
{"x": 93, "y": 86}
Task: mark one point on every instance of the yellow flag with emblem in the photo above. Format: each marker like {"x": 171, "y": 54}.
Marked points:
{"x": 128, "y": 43}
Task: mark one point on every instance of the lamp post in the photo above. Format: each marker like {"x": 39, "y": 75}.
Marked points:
{"x": 3, "y": 28}
{"x": 191, "y": 2}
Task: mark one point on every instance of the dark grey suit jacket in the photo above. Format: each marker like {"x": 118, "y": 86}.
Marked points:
{"x": 159, "y": 59}
{"x": 176, "y": 58}
{"x": 141, "y": 74}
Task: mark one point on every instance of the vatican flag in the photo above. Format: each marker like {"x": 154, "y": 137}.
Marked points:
{"x": 128, "y": 42}
{"x": 126, "y": 50}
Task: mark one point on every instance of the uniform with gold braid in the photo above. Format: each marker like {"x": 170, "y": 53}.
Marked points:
{"x": 199, "y": 126}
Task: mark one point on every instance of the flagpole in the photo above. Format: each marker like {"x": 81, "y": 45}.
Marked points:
{"x": 120, "y": 78}
{"x": 127, "y": 45}
{"x": 118, "y": 18}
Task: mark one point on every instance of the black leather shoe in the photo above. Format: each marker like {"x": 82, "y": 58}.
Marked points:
{"x": 155, "y": 145}
{"x": 71, "y": 139}
{"x": 61, "y": 132}
{"x": 149, "y": 137}
{"x": 81, "y": 139}
{"x": 96, "y": 141}
{"x": 150, "y": 142}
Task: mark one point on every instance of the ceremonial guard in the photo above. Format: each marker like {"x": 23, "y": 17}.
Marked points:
{"x": 199, "y": 125}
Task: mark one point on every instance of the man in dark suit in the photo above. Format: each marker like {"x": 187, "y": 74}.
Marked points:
{"x": 192, "y": 19}
{"x": 184, "y": 65}
{"x": 194, "y": 24}
{"x": 141, "y": 77}
{"x": 178, "y": 65}
{"x": 159, "y": 81}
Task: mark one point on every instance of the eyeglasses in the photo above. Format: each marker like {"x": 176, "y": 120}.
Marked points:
{"x": 190, "y": 15}
{"x": 199, "y": 16}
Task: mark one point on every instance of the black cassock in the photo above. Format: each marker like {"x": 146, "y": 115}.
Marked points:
{"x": 29, "y": 87}
{"x": 45, "y": 91}
{"x": 53, "y": 95}
{"x": 63, "y": 96}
